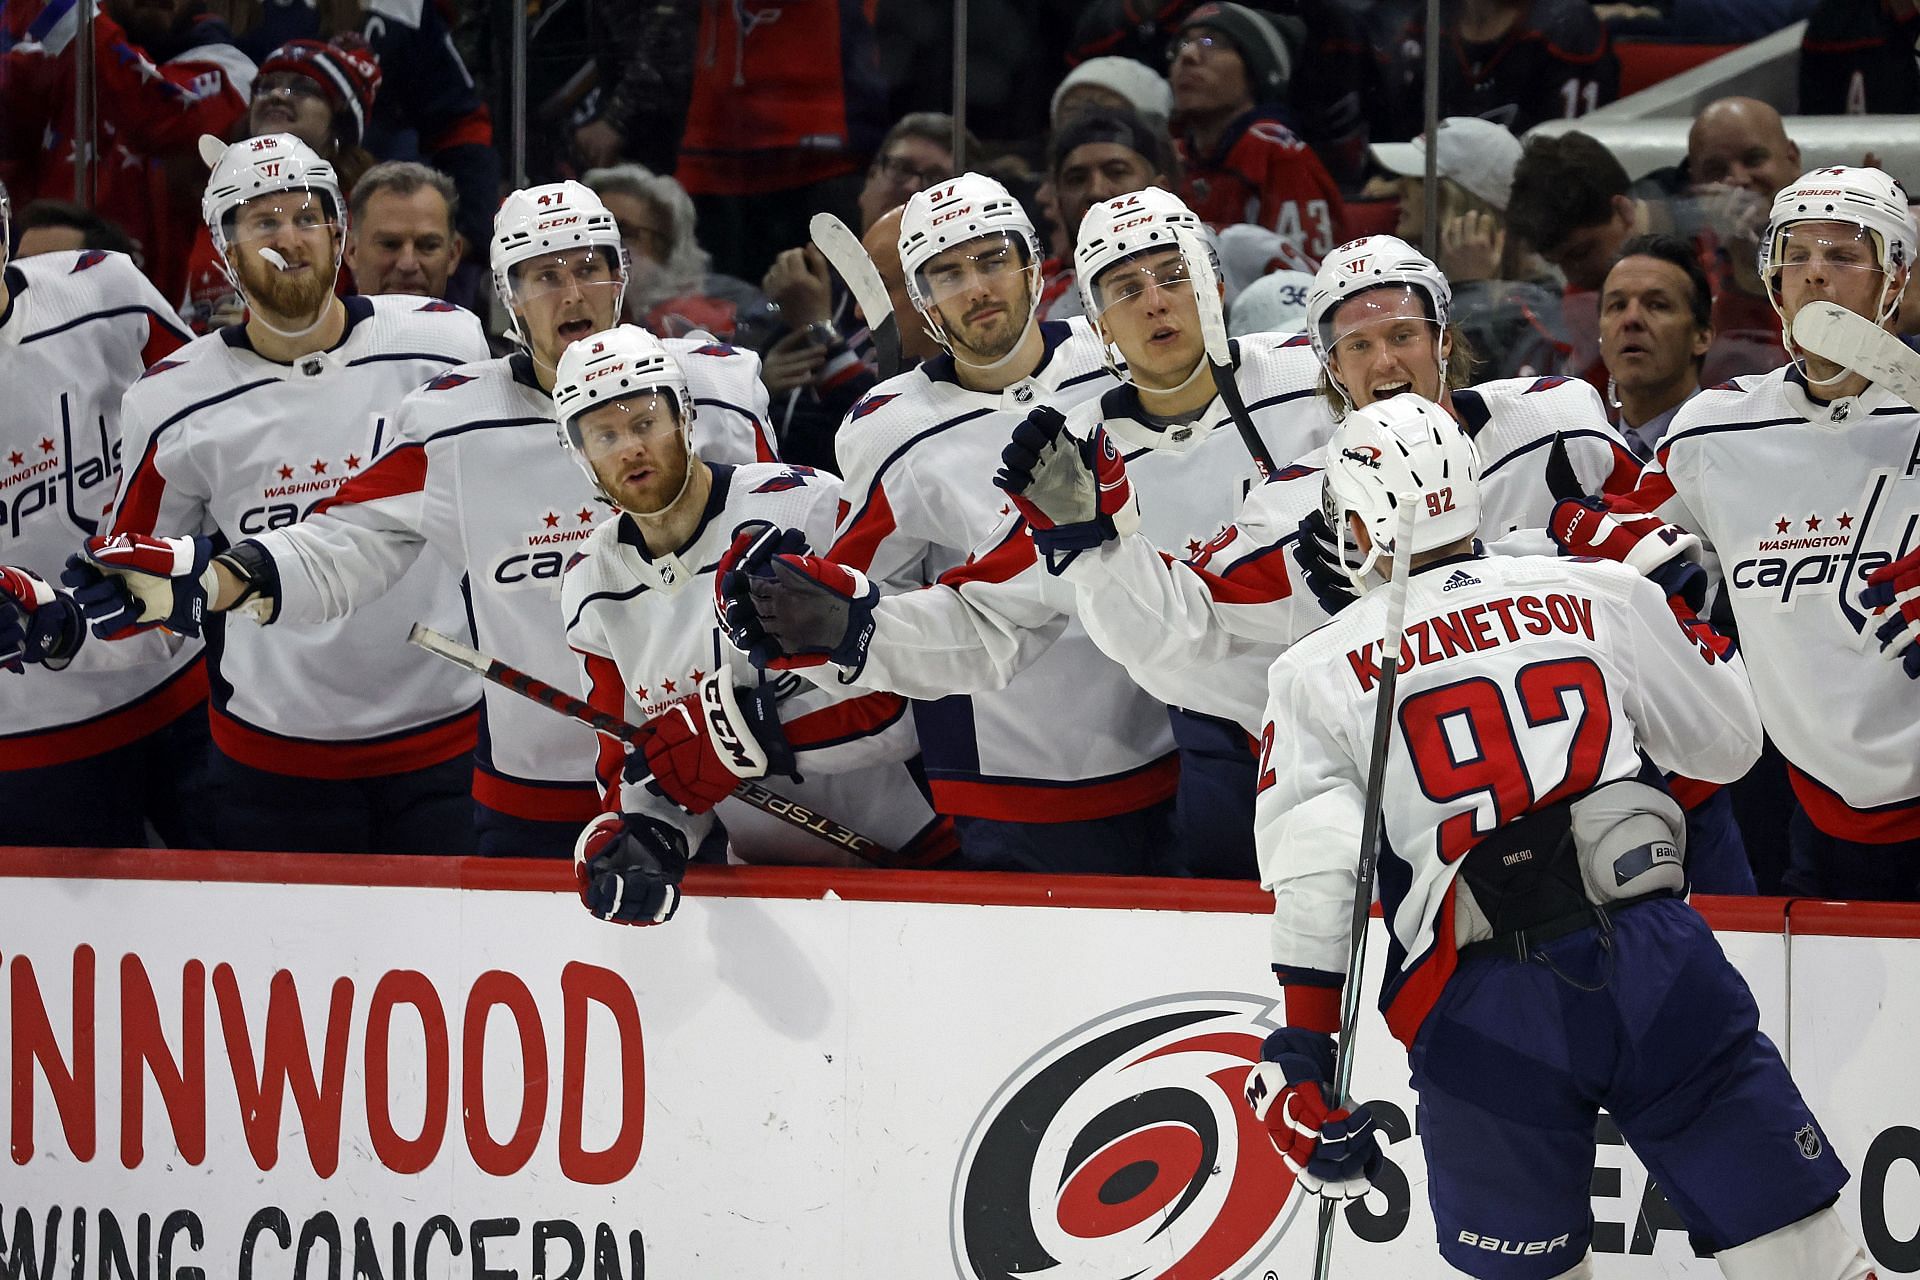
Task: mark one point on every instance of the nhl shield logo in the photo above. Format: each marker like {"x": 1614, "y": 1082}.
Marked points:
{"x": 1809, "y": 1142}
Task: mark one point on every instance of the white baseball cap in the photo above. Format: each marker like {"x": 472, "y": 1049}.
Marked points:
{"x": 1478, "y": 154}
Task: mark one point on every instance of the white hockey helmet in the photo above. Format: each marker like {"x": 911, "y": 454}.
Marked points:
{"x": 938, "y": 218}
{"x": 1369, "y": 263}
{"x": 545, "y": 219}
{"x": 614, "y": 365}
{"x": 1867, "y": 198}
{"x": 1117, "y": 229}
{"x": 254, "y": 167}
{"x": 1404, "y": 447}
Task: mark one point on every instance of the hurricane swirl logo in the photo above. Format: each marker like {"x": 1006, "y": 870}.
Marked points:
{"x": 1125, "y": 1149}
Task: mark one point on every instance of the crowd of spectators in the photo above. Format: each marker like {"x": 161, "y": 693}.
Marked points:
{"x": 714, "y": 133}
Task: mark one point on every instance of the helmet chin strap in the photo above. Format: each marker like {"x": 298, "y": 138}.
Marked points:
{"x": 1199, "y": 367}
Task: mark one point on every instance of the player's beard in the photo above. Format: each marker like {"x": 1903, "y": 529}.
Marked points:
{"x": 291, "y": 299}
{"x": 984, "y": 344}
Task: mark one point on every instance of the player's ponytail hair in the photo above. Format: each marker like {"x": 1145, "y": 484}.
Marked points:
{"x": 1458, "y": 373}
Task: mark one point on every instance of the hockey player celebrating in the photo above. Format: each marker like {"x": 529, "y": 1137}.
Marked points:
{"x": 1541, "y": 964}
{"x": 331, "y": 737}
{"x": 1070, "y": 767}
{"x": 638, "y": 612}
{"x": 470, "y": 467}
{"x": 980, "y": 624}
{"x": 86, "y": 760}
{"x": 1805, "y": 483}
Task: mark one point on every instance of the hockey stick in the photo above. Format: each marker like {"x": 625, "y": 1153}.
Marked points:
{"x": 1369, "y": 840}
{"x": 845, "y": 254}
{"x": 555, "y": 699}
{"x": 1213, "y": 332}
{"x": 1854, "y": 342}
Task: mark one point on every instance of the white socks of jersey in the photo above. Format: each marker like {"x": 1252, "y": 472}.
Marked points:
{"x": 1817, "y": 1247}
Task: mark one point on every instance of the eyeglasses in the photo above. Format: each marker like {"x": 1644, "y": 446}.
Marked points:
{"x": 1205, "y": 46}
{"x": 903, "y": 171}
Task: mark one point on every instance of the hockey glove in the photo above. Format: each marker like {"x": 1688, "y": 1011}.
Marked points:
{"x": 787, "y": 610}
{"x": 1333, "y": 1152}
{"x": 1643, "y": 542}
{"x": 750, "y": 555}
{"x": 1894, "y": 589}
{"x": 628, "y": 868}
{"x": 1317, "y": 553}
{"x": 38, "y": 622}
{"x": 696, "y": 754}
{"x": 1075, "y": 494}
{"x": 129, "y": 582}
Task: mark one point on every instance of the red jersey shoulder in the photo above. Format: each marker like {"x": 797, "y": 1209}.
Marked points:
{"x": 1272, "y": 134}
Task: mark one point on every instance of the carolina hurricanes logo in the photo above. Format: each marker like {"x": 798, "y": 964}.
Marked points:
{"x": 1126, "y": 1150}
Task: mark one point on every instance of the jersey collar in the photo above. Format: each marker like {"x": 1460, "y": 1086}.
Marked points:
{"x": 1052, "y": 334}
{"x": 359, "y": 308}
{"x": 1123, "y": 415}
{"x": 13, "y": 319}
{"x": 520, "y": 365}
{"x": 629, "y": 529}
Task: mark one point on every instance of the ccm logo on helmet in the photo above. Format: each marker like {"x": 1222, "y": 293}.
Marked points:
{"x": 1134, "y": 222}
{"x": 949, "y": 216}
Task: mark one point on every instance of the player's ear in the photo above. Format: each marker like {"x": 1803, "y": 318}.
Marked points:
{"x": 350, "y": 251}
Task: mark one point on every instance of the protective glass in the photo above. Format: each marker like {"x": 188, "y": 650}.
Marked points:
{"x": 987, "y": 261}
{"x": 266, "y": 218}
{"x": 1139, "y": 282}
{"x": 607, "y": 431}
{"x": 1392, "y": 317}
{"x": 586, "y": 268}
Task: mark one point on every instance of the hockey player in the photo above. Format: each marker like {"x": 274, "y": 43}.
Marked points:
{"x": 1805, "y": 482}
{"x": 637, "y": 608}
{"x": 981, "y": 624}
{"x": 1070, "y": 767}
{"x": 331, "y": 737}
{"x": 86, "y": 760}
{"x": 1540, "y": 963}
{"x": 471, "y": 468}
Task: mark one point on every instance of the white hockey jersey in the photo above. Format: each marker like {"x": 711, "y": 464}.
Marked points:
{"x": 1202, "y": 632}
{"x": 1799, "y": 501}
{"x": 646, "y": 639}
{"x": 477, "y": 470}
{"x": 981, "y": 623}
{"x": 222, "y": 441}
{"x": 78, "y": 330}
{"x": 1071, "y": 737}
{"x": 1525, "y": 681}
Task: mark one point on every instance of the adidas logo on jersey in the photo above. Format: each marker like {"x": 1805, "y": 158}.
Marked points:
{"x": 1460, "y": 578}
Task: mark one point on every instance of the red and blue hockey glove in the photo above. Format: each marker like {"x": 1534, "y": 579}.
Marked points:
{"x": 700, "y": 750}
{"x": 1318, "y": 554}
{"x": 1894, "y": 589}
{"x": 39, "y": 623}
{"x": 129, "y": 582}
{"x": 787, "y": 610}
{"x": 1645, "y": 543}
{"x": 1075, "y": 494}
{"x": 1333, "y": 1152}
{"x": 628, "y": 868}
{"x": 751, "y": 556}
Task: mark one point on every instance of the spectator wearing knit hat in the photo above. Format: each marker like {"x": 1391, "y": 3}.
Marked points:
{"x": 321, "y": 92}
{"x": 1097, "y": 154}
{"x": 1240, "y": 163}
{"x": 1114, "y": 83}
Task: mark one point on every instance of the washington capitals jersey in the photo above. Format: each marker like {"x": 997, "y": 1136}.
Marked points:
{"x": 223, "y": 442}
{"x": 1513, "y": 422}
{"x": 1799, "y": 501}
{"x": 77, "y": 331}
{"x": 1070, "y": 737}
{"x": 476, "y": 468}
{"x": 982, "y": 622}
{"x": 1525, "y": 681}
{"x": 643, "y": 627}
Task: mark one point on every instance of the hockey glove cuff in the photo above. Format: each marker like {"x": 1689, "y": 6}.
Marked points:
{"x": 628, "y": 868}
{"x": 1074, "y": 494}
{"x": 129, "y": 582}
{"x": 1334, "y": 1152}
{"x": 1317, "y": 552}
{"x": 39, "y": 623}
{"x": 1642, "y": 542}
{"x": 698, "y": 752}
{"x": 1893, "y": 593}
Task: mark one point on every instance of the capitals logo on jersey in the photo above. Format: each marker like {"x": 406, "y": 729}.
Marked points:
{"x": 63, "y": 470}
{"x": 545, "y": 552}
{"x": 1126, "y": 1150}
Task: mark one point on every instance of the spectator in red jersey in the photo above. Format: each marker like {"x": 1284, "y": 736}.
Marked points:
{"x": 167, "y": 74}
{"x": 1240, "y": 164}
{"x": 1515, "y": 62}
{"x": 1857, "y": 58}
{"x": 322, "y": 94}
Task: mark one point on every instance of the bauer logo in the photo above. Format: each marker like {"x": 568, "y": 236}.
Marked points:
{"x": 1125, "y": 1149}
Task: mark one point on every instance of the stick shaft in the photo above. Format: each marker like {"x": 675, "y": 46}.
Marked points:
{"x": 555, "y": 699}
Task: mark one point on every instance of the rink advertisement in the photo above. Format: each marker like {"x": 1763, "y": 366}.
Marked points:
{"x": 453, "y": 1071}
